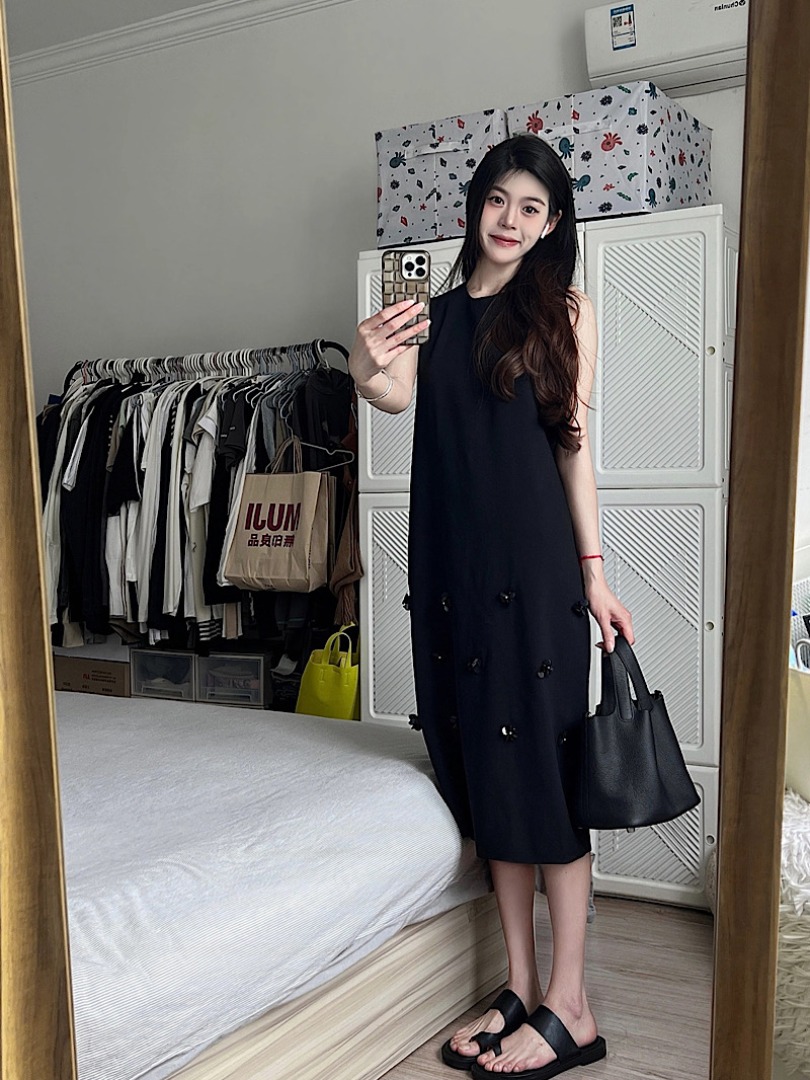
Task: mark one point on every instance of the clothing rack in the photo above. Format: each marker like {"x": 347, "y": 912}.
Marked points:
{"x": 247, "y": 362}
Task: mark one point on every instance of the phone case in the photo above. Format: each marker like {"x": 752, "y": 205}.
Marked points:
{"x": 399, "y": 284}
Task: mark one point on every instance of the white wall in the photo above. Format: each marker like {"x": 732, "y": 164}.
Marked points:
{"x": 214, "y": 194}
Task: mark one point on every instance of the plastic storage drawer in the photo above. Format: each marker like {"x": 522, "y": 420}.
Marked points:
{"x": 163, "y": 674}
{"x": 233, "y": 679}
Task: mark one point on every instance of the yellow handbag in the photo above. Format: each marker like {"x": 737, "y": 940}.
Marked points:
{"x": 330, "y": 685}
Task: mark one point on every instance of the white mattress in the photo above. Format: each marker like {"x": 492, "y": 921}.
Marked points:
{"x": 221, "y": 861}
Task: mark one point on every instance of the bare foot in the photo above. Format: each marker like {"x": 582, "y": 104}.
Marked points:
{"x": 527, "y": 1049}
{"x": 463, "y": 1040}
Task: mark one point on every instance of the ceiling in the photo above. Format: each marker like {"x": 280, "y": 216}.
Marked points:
{"x": 40, "y": 24}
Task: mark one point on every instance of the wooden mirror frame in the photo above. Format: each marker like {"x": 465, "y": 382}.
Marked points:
{"x": 36, "y": 1026}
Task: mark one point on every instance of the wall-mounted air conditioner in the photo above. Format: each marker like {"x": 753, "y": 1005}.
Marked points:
{"x": 683, "y": 46}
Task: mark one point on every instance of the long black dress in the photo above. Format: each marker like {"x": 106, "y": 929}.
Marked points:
{"x": 499, "y": 621}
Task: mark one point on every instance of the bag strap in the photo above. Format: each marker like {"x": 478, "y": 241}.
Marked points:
{"x": 615, "y": 688}
{"x": 625, "y": 654}
{"x": 334, "y": 641}
{"x": 276, "y": 465}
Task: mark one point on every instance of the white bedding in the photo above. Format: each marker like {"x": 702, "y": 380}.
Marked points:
{"x": 221, "y": 861}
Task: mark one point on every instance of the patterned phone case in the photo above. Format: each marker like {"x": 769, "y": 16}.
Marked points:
{"x": 398, "y": 285}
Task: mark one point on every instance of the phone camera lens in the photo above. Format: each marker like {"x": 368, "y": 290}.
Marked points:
{"x": 421, "y": 272}
{"x": 408, "y": 267}
{"x": 420, "y": 260}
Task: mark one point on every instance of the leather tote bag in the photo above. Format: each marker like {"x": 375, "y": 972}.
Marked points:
{"x": 282, "y": 539}
{"x": 630, "y": 771}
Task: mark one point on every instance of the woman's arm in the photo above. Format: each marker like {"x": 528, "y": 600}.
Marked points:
{"x": 576, "y": 472}
{"x": 382, "y": 365}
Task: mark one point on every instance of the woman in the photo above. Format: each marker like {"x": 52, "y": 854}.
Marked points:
{"x": 504, "y": 563}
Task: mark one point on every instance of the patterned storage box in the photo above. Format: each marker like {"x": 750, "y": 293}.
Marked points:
{"x": 629, "y": 149}
{"x": 424, "y": 171}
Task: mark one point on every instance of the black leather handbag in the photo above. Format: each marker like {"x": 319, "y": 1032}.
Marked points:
{"x": 629, "y": 768}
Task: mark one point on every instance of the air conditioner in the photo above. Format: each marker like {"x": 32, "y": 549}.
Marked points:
{"x": 683, "y": 46}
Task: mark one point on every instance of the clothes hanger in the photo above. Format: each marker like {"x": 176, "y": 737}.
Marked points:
{"x": 322, "y": 345}
{"x": 349, "y": 454}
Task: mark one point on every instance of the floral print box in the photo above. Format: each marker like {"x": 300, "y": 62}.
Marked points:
{"x": 629, "y": 149}
{"x": 424, "y": 171}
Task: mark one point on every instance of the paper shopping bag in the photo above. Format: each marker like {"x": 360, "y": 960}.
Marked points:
{"x": 281, "y": 541}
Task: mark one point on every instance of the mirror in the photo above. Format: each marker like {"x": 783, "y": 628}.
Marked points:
{"x": 37, "y": 1032}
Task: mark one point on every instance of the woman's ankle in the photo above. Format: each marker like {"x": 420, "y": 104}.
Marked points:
{"x": 527, "y": 987}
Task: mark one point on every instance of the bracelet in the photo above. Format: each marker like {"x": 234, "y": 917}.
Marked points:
{"x": 602, "y": 557}
{"x": 385, "y": 392}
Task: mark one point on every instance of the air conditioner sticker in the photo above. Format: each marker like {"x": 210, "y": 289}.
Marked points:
{"x": 623, "y": 26}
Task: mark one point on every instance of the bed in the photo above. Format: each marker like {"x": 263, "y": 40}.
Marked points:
{"x": 234, "y": 876}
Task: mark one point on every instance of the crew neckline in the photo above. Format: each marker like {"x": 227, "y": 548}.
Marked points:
{"x": 483, "y": 296}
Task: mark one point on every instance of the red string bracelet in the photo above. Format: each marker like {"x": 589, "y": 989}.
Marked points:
{"x": 602, "y": 557}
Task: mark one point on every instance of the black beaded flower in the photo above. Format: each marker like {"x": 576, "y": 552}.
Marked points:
{"x": 415, "y": 722}
{"x": 474, "y": 665}
{"x": 509, "y": 733}
{"x": 545, "y": 669}
{"x": 445, "y": 601}
{"x": 580, "y": 607}
{"x": 406, "y": 601}
{"x": 506, "y": 597}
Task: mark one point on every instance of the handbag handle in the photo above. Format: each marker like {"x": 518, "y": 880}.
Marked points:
{"x": 616, "y": 667}
{"x": 334, "y": 642}
{"x": 615, "y": 688}
{"x": 278, "y": 460}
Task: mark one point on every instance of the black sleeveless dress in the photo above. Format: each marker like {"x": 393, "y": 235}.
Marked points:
{"x": 499, "y": 621}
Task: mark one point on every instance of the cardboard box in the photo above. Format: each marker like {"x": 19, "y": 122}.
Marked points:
{"x": 87, "y": 675}
{"x": 628, "y": 149}
{"x": 424, "y": 171}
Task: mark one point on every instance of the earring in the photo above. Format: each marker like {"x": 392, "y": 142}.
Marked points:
{"x": 543, "y": 233}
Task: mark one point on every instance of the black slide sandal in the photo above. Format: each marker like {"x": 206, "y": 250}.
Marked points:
{"x": 514, "y": 1014}
{"x": 558, "y": 1037}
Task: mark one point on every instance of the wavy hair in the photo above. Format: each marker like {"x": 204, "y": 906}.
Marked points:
{"x": 527, "y": 327}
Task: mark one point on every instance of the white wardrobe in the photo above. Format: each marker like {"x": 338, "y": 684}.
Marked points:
{"x": 664, "y": 288}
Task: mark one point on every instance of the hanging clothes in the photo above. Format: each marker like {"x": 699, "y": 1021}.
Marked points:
{"x": 142, "y": 465}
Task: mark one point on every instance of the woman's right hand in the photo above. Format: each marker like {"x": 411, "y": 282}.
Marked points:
{"x": 380, "y": 339}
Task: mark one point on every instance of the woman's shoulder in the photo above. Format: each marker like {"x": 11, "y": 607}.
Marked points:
{"x": 447, "y": 296}
{"x": 444, "y": 302}
{"x": 580, "y": 307}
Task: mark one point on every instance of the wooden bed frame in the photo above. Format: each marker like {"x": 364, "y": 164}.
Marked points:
{"x": 425, "y": 976}
{"x": 36, "y": 1015}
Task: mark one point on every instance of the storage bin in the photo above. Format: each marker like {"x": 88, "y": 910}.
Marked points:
{"x": 91, "y": 675}
{"x": 161, "y": 673}
{"x": 233, "y": 679}
{"x": 629, "y": 149}
{"x": 424, "y": 171}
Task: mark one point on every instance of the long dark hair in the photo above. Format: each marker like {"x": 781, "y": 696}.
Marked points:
{"x": 527, "y": 328}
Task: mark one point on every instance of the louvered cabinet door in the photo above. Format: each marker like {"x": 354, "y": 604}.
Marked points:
{"x": 387, "y": 687}
{"x": 385, "y": 439}
{"x": 663, "y": 292}
{"x": 664, "y": 863}
{"x": 664, "y": 560}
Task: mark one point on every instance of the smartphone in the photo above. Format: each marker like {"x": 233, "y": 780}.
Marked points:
{"x": 406, "y": 276}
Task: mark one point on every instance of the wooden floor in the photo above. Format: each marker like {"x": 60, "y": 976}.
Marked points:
{"x": 649, "y": 983}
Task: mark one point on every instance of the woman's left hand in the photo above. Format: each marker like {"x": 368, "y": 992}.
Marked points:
{"x": 609, "y": 612}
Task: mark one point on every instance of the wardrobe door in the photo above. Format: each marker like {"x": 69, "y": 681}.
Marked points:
{"x": 385, "y": 439}
{"x": 658, "y": 285}
{"x": 387, "y": 688}
{"x": 664, "y": 559}
{"x": 665, "y": 863}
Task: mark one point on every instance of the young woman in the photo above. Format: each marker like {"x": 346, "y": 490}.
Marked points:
{"x": 504, "y": 564}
